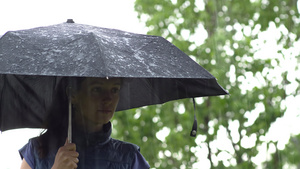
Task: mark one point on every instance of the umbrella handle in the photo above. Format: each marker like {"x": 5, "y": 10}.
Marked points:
{"x": 70, "y": 117}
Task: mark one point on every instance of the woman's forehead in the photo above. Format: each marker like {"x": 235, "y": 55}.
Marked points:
{"x": 95, "y": 80}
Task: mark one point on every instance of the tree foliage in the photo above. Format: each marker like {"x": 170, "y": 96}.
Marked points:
{"x": 251, "y": 48}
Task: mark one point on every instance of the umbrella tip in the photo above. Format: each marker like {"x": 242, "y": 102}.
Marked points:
{"x": 70, "y": 21}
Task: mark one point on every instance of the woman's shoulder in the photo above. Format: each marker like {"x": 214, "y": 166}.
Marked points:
{"x": 125, "y": 146}
{"x": 34, "y": 141}
{"x": 137, "y": 159}
{"x": 28, "y": 151}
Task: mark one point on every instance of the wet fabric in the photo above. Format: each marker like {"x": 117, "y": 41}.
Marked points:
{"x": 33, "y": 61}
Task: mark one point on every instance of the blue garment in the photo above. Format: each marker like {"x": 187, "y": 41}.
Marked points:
{"x": 105, "y": 153}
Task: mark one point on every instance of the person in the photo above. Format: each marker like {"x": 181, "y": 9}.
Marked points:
{"x": 94, "y": 101}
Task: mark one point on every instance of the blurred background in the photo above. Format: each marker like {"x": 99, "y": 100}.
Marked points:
{"x": 252, "y": 47}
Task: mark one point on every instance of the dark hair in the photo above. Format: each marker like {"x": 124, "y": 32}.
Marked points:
{"x": 56, "y": 124}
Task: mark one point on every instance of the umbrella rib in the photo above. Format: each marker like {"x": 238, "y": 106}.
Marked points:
{"x": 100, "y": 51}
{"x": 143, "y": 46}
{"x": 72, "y": 41}
{"x": 137, "y": 52}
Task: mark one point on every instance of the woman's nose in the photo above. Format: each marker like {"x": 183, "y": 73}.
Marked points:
{"x": 107, "y": 96}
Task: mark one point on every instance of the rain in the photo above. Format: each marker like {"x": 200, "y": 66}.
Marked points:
{"x": 277, "y": 138}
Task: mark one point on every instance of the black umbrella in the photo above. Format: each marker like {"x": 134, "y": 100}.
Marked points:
{"x": 33, "y": 61}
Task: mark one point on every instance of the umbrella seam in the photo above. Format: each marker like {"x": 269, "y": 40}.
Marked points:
{"x": 100, "y": 51}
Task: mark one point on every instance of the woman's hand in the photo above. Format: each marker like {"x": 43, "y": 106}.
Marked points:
{"x": 66, "y": 157}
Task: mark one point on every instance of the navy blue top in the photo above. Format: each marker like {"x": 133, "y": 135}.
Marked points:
{"x": 104, "y": 153}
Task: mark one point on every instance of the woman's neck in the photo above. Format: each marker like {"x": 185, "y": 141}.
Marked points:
{"x": 87, "y": 126}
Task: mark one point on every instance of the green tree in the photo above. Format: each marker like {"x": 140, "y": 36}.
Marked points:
{"x": 251, "y": 47}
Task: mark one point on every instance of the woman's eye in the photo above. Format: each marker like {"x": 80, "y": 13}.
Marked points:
{"x": 96, "y": 89}
{"x": 115, "y": 90}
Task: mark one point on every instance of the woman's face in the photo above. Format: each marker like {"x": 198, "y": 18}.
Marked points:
{"x": 96, "y": 100}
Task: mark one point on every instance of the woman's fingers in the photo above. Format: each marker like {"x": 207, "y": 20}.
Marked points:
{"x": 69, "y": 147}
{"x": 68, "y": 153}
{"x": 66, "y": 157}
{"x": 67, "y": 141}
{"x": 75, "y": 160}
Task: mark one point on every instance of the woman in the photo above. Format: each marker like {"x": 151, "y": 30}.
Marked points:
{"x": 94, "y": 101}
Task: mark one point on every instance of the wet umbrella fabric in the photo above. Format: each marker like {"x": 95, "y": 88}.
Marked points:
{"x": 33, "y": 61}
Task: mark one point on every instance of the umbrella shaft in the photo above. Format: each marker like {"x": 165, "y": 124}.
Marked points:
{"x": 70, "y": 119}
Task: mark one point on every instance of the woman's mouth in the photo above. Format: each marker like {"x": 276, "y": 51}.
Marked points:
{"x": 104, "y": 111}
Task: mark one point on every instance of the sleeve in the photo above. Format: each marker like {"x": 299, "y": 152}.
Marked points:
{"x": 27, "y": 152}
{"x": 140, "y": 162}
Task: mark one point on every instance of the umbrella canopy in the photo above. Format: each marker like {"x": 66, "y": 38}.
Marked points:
{"x": 33, "y": 61}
